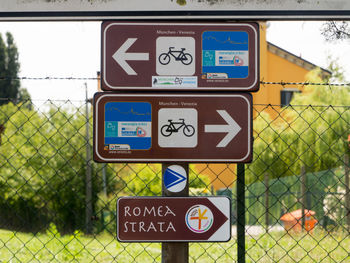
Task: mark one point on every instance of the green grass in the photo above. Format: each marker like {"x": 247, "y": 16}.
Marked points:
{"x": 275, "y": 247}
{"x": 282, "y": 247}
{"x": 22, "y": 247}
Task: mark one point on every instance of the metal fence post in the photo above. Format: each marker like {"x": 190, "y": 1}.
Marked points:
{"x": 267, "y": 202}
{"x": 240, "y": 213}
{"x": 88, "y": 178}
{"x": 104, "y": 187}
{"x": 303, "y": 196}
{"x": 175, "y": 252}
{"x": 347, "y": 190}
{"x": 104, "y": 180}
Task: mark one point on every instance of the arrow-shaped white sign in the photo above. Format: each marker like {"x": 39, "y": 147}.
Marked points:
{"x": 120, "y": 56}
{"x": 231, "y": 128}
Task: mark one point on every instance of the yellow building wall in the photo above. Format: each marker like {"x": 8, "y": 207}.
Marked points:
{"x": 221, "y": 175}
{"x": 263, "y": 94}
{"x": 273, "y": 68}
{"x": 280, "y": 70}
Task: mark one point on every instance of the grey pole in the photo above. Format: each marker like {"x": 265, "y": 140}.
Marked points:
{"x": 267, "y": 202}
{"x": 175, "y": 252}
{"x": 303, "y": 196}
{"x": 240, "y": 213}
{"x": 88, "y": 178}
{"x": 104, "y": 179}
{"x": 347, "y": 190}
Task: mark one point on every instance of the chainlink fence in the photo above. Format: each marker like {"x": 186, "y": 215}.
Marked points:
{"x": 57, "y": 205}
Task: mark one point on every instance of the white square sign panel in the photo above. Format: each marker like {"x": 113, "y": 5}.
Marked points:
{"x": 177, "y": 127}
{"x": 175, "y": 56}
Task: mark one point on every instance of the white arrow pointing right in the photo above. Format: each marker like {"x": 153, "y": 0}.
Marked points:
{"x": 231, "y": 128}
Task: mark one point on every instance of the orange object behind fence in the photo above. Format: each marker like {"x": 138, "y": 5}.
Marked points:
{"x": 292, "y": 220}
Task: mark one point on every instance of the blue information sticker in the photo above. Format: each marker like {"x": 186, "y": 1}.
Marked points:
{"x": 128, "y": 125}
{"x": 225, "y": 54}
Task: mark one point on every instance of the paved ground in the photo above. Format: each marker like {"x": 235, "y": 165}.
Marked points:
{"x": 257, "y": 230}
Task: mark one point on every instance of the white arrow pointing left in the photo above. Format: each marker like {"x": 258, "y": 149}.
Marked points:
{"x": 231, "y": 128}
{"x": 120, "y": 56}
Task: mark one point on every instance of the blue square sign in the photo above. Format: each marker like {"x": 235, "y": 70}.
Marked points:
{"x": 225, "y": 54}
{"x": 128, "y": 125}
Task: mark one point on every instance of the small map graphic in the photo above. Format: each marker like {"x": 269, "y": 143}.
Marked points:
{"x": 128, "y": 125}
{"x": 225, "y": 54}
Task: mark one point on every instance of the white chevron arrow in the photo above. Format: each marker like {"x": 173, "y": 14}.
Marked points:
{"x": 120, "y": 56}
{"x": 231, "y": 128}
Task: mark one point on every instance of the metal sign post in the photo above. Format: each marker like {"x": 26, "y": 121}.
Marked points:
{"x": 177, "y": 127}
{"x": 240, "y": 184}
{"x": 174, "y": 252}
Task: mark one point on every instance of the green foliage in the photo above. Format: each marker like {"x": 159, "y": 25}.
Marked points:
{"x": 284, "y": 194}
{"x": 141, "y": 179}
{"x": 3, "y": 56}
{"x": 145, "y": 179}
{"x": 198, "y": 181}
{"x": 72, "y": 245}
{"x": 12, "y": 67}
{"x": 43, "y": 168}
{"x": 9, "y": 68}
{"x": 314, "y": 136}
{"x": 336, "y": 69}
{"x": 43, "y": 165}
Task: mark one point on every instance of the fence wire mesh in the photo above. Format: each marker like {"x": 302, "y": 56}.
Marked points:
{"x": 57, "y": 205}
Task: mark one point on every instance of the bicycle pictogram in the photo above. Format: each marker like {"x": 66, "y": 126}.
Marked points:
{"x": 167, "y": 129}
{"x": 178, "y": 55}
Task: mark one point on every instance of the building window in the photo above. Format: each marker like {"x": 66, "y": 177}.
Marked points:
{"x": 287, "y": 95}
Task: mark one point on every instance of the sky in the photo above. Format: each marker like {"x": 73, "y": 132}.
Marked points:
{"x": 72, "y": 49}
{"x": 303, "y": 38}
{"x": 57, "y": 49}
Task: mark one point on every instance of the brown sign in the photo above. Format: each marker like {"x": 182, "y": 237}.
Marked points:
{"x": 181, "y": 219}
{"x": 180, "y": 56}
{"x": 172, "y": 127}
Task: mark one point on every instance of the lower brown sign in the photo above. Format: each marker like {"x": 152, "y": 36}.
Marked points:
{"x": 173, "y": 219}
{"x": 170, "y": 127}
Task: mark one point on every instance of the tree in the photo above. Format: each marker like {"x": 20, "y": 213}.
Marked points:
{"x": 42, "y": 168}
{"x": 10, "y": 86}
{"x": 302, "y": 134}
{"x": 335, "y": 30}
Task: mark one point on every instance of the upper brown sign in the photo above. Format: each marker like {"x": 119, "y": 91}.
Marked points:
{"x": 180, "y": 56}
{"x": 172, "y": 127}
{"x": 176, "y": 219}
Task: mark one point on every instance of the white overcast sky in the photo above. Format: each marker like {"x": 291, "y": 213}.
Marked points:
{"x": 72, "y": 49}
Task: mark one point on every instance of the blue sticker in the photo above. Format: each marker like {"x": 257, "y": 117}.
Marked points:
{"x": 208, "y": 58}
{"x": 111, "y": 129}
{"x": 128, "y": 125}
{"x": 225, "y": 54}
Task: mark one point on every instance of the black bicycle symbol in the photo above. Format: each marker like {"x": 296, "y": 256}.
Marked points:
{"x": 185, "y": 58}
{"x": 168, "y": 129}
